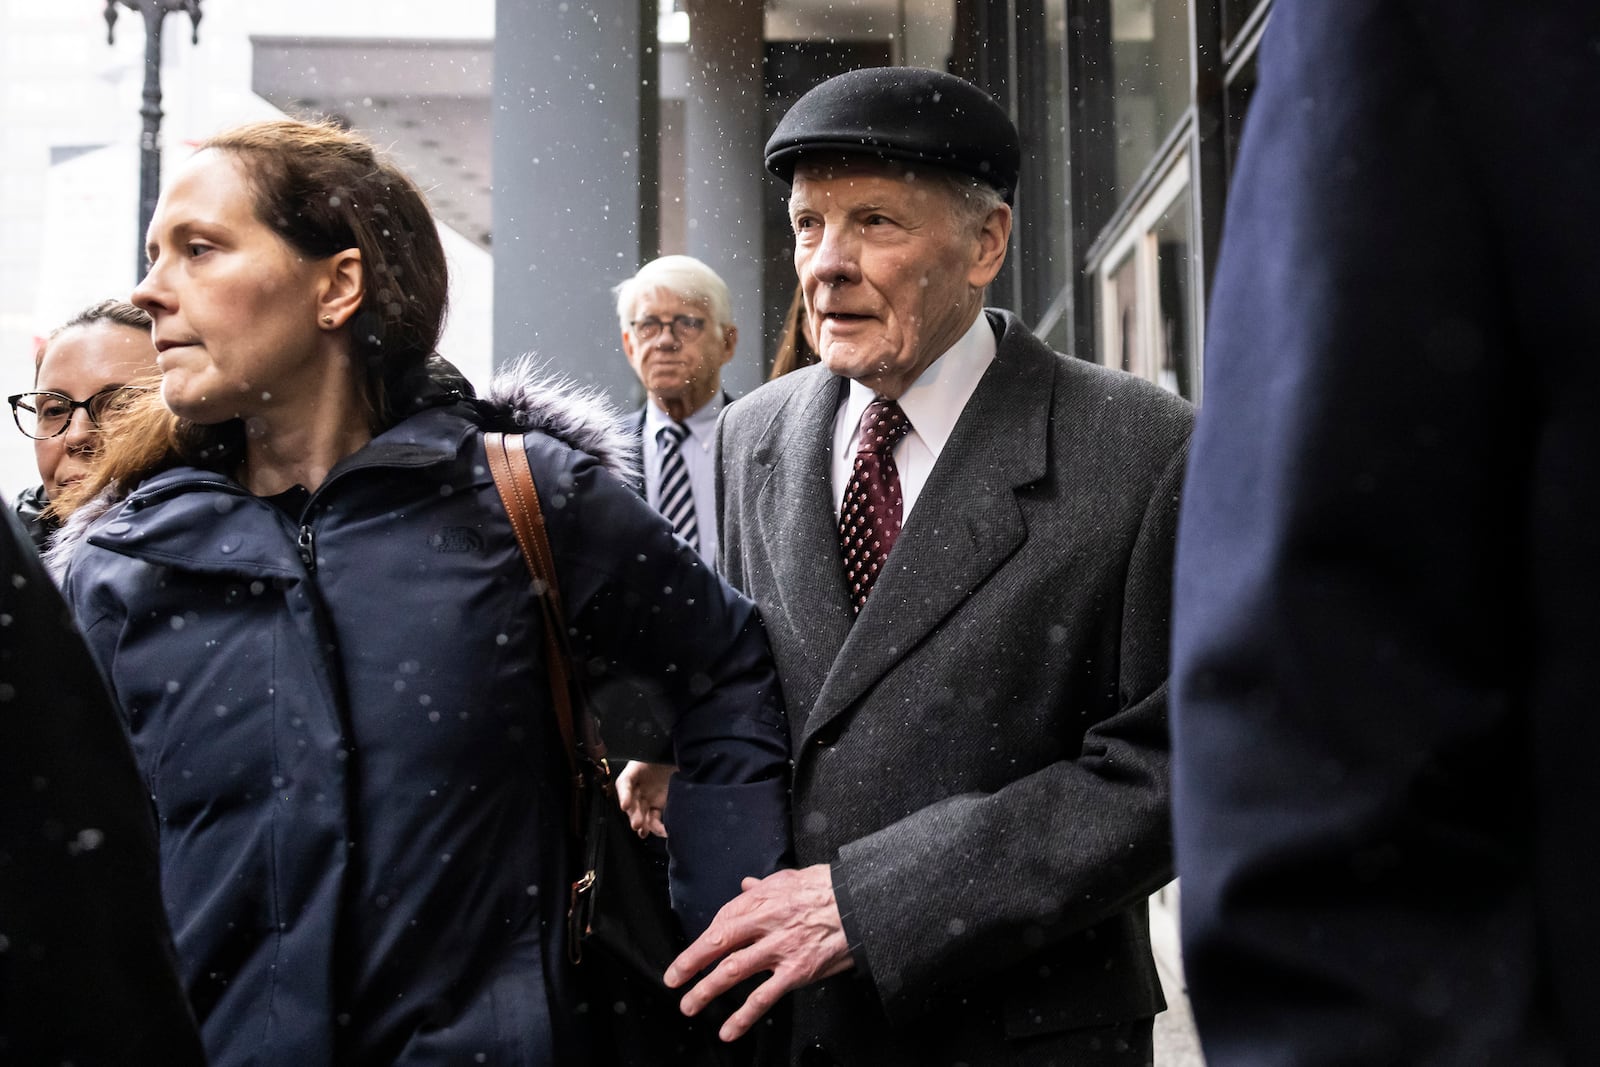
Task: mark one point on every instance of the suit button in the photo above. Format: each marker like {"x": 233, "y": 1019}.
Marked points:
{"x": 816, "y": 1056}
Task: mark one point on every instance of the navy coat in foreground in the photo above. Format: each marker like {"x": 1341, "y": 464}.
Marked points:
{"x": 1388, "y": 599}
{"x": 345, "y": 724}
{"x": 87, "y": 974}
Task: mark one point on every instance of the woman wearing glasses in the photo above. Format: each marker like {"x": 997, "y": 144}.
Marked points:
{"x": 86, "y": 369}
{"x": 296, "y": 572}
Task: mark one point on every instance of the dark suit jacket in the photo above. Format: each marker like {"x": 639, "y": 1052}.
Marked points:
{"x": 87, "y": 973}
{"x": 982, "y": 756}
{"x": 1388, "y": 601}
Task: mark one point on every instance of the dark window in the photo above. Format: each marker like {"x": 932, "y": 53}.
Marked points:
{"x": 1236, "y": 16}
{"x": 1175, "y": 350}
{"x": 1057, "y": 265}
{"x": 1150, "y": 80}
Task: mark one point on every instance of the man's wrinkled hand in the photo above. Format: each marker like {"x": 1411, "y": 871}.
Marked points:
{"x": 642, "y": 792}
{"x": 787, "y": 923}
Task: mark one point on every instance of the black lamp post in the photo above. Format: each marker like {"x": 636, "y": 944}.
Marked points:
{"x": 154, "y": 12}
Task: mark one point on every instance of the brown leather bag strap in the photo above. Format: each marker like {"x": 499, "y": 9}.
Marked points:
{"x": 508, "y": 463}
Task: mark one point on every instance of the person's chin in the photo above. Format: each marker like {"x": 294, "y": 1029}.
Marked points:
{"x": 182, "y": 409}
{"x": 853, "y": 360}
{"x": 186, "y": 401}
{"x": 673, "y": 381}
{"x": 199, "y": 412}
{"x": 675, "y": 389}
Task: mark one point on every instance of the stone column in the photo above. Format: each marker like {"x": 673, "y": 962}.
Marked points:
{"x": 724, "y": 138}
{"x": 575, "y": 166}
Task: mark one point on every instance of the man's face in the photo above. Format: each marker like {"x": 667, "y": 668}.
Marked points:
{"x": 679, "y": 372}
{"x": 891, "y": 276}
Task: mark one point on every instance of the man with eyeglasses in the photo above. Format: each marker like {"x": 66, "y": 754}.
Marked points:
{"x": 678, "y": 334}
{"x": 82, "y": 373}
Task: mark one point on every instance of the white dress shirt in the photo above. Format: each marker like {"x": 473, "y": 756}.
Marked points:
{"x": 697, "y": 457}
{"x": 932, "y": 404}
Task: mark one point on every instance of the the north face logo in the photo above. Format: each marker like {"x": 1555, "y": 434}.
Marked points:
{"x": 457, "y": 539}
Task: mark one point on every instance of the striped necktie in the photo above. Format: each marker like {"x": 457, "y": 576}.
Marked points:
{"x": 676, "y": 498}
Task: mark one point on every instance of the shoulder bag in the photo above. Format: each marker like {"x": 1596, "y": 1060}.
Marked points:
{"x": 621, "y": 931}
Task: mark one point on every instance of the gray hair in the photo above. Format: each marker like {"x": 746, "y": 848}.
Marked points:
{"x": 971, "y": 199}
{"x": 684, "y": 276}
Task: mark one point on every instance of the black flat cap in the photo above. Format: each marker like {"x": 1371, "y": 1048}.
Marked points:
{"x": 901, "y": 113}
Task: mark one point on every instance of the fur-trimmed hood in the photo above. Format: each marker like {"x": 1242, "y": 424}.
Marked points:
{"x": 525, "y": 396}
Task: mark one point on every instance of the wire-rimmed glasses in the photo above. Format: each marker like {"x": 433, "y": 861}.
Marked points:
{"x": 684, "y": 327}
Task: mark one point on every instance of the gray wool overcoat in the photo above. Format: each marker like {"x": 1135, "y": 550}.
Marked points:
{"x": 982, "y": 755}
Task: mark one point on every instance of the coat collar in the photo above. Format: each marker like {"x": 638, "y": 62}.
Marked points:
{"x": 524, "y": 397}
{"x": 206, "y": 522}
{"x": 794, "y": 509}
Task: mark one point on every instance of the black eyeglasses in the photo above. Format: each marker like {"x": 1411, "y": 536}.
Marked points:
{"x": 684, "y": 327}
{"x": 47, "y": 414}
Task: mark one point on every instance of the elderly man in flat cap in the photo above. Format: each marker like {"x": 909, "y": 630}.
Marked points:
{"x": 961, "y": 543}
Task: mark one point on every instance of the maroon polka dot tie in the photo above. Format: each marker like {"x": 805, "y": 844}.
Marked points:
{"x": 869, "y": 518}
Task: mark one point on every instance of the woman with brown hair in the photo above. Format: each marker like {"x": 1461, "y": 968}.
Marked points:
{"x": 296, "y": 572}
{"x": 88, "y": 367}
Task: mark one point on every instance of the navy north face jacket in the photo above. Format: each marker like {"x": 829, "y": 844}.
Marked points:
{"x": 343, "y": 720}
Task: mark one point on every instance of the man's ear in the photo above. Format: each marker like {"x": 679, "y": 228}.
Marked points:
{"x": 730, "y": 338}
{"x": 992, "y": 239}
{"x": 627, "y": 344}
{"x": 343, "y": 287}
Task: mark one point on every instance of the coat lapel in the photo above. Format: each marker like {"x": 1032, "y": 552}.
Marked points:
{"x": 965, "y": 524}
{"x": 634, "y": 426}
{"x": 794, "y": 509}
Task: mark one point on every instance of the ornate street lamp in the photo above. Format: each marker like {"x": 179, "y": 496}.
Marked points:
{"x": 154, "y": 12}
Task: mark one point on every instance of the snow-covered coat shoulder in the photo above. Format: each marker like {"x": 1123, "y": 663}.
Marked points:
{"x": 341, "y": 711}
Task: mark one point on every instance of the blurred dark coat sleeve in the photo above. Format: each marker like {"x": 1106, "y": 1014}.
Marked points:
{"x": 1385, "y": 607}
{"x": 33, "y": 509}
{"x": 86, "y": 964}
